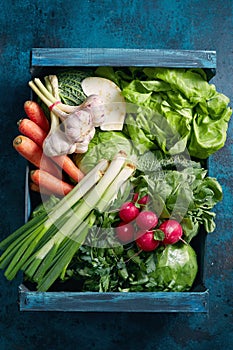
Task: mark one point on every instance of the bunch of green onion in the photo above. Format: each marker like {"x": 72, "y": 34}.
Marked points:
{"x": 44, "y": 246}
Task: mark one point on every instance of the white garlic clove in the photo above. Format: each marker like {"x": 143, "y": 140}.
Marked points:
{"x": 78, "y": 125}
{"x": 57, "y": 144}
{"x": 95, "y": 105}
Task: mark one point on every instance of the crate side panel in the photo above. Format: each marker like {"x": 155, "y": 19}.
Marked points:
{"x": 122, "y": 57}
{"x": 113, "y": 302}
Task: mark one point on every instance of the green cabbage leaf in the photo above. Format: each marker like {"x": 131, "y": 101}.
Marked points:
{"x": 176, "y": 268}
{"x": 69, "y": 85}
{"x": 104, "y": 145}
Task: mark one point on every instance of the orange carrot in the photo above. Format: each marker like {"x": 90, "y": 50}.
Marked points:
{"x": 36, "y": 114}
{"x": 34, "y": 154}
{"x": 34, "y": 187}
{"x": 38, "y": 135}
{"x": 30, "y": 129}
{"x": 69, "y": 167}
{"x": 50, "y": 182}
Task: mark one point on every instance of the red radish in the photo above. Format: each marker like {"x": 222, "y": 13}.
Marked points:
{"x": 172, "y": 230}
{"x": 146, "y": 241}
{"x": 125, "y": 232}
{"x": 50, "y": 182}
{"x": 143, "y": 200}
{"x": 36, "y": 114}
{"x": 146, "y": 220}
{"x": 128, "y": 212}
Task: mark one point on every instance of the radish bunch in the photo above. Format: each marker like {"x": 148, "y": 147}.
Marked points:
{"x": 140, "y": 225}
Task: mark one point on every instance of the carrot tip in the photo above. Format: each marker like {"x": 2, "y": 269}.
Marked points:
{"x": 17, "y": 141}
{"x": 19, "y": 121}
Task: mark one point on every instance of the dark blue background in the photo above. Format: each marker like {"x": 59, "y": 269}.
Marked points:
{"x": 130, "y": 24}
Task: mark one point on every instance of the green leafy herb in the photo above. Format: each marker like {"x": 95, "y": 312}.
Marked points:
{"x": 180, "y": 189}
{"x": 171, "y": 268}
{"x": 45, "y": 206}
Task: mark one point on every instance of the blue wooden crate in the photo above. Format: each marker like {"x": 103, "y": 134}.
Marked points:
{"x": 197, "y": 300}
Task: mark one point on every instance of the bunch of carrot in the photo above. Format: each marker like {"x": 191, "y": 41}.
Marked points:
{"x": 48, "y": 176}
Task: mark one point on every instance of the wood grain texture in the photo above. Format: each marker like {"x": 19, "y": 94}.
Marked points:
{"x": 113, "y": 302}
{"x": 122, "y": 57}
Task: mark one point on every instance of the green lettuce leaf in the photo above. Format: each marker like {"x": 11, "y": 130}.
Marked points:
{"x": 176, "y": 268}
{"x": 181, "y": 109}
{"x": 208, "y": 135}
{"x": 104, "y": 145}
{"x": 189, "y": 82}
{"x": 138, "y": 136}
{"x": 180, "y": 189}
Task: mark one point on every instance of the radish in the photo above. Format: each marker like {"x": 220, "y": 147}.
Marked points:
{"x": 172, "y": 230}
{"x": 125, "y": 232}
{"x": 146, "y": 220}
{"x": 143, "y": 200}
{"x": 128, "y": 212}
{"x": 146, "y": 241}
{"x": 114, "y": 102}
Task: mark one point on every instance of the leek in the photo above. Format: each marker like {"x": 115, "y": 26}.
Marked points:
{"x": 112, "y": 191}
{"x": 61, "y": 254}
{"x": 19, "y": 246}
{"x": 79, "y": 215}
{"x": 44, "y": 247}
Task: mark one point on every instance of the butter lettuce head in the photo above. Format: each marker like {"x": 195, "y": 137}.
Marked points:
{"x": 185, "y": 112}
{"x": 176, "y": 268}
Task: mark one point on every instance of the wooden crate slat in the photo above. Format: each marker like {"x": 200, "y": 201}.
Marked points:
{"x": 113, "y": 301}
{"x": 122, "y": 57}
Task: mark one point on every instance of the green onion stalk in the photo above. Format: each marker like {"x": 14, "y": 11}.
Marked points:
{"x": 45, "y": 245}
{"x": 20, "y": 244}
{"x": 47, "y": 95}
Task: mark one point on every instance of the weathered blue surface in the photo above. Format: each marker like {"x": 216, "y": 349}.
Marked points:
{"x": 122, "y": 57}
{"x": 194, "y": 25}
{"x": 113, "y": 302}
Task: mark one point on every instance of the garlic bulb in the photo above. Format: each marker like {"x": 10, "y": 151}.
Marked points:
{"x": 78, "y": 125}
{"x": 57, "y": 143}
{"x": 95, "y": 105}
